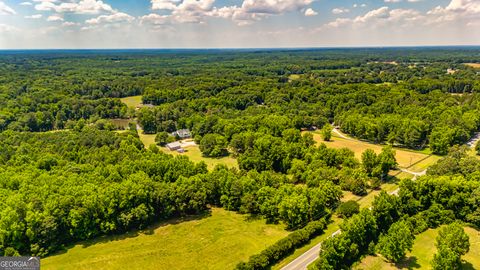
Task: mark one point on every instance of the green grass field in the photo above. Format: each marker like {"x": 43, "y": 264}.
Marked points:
{"x": 219, "y": 241}
{"x": 147, "y": 139}
{"x": 195, "y": 155}
{"x": 132, "y": 102}
{"x": 423, "y": 251}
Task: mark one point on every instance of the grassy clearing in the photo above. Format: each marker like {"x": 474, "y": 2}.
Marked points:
{"x": 400, "y": 175}
{"x": 366, "y": 201}
{"x": 192, "y": 152}
{"x": 147, "y": 139}
{"x": 349, "y": 196}
{"x": 293, "y": 77}
{"x": 332, "y": 227}
{"x": 405, "y": 158}
{"x": 423, "y": 251}
{"x": 218, "y": 241}
{"x": 424, "y": 164}
{"x": 195, "y": 155}
{"x": 474, "y": 65}
{"x": 132, "y": 102}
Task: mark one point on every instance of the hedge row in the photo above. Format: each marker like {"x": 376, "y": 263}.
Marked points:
{"x": 285, "y": 246}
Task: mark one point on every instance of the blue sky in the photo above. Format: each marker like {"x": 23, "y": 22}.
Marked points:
{"x": 236, "y": 23}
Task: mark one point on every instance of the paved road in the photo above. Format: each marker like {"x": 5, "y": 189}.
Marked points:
{"x": 302, "y": 262}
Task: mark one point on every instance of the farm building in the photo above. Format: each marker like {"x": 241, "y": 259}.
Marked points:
{"x": 175, "y": 146}
{"x": 182, "y": 134}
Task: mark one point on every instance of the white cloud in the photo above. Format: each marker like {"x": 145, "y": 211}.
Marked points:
{"x": 4, "y": 28}
{"x": 55, "y": 18}
{"x": 379, "y": 17}
{"x": 6, "y": 10}
{"x": 458, "y": 11}
{"x": 165, "y": 4}
{"x": 155, "y": 19}
{"x": 35, "y": 16}
{"x": 113, "y": 18}
{"x": 340, "y": 10}
{"x": 392, "y": 1}
{"x": 26, "y": 4}
{"x": 197, "y": 11}
{"x": 274, "y": 6}
{"x": 310, "y": 12}
{"x": 69, "y": 24}
{"x": 74, "y": 6}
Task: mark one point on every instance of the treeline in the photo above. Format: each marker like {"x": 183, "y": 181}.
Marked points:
{"x": 61, "y": 187}
{"x": 388, "y": 227}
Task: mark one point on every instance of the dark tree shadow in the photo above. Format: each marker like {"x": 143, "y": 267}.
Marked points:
{"x": 467, "y": 266}
{"x": 408, "y": 263}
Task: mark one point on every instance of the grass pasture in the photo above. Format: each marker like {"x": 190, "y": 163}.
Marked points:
{"x": 405, "y": 158}
{"x": 218, "y": 241}
{"x": 195, "y": 155}
{"x": 423, "y": 251}
{"x": 293, "y": 77}
{"x": 474, "y": 65}
{"x": 147, "y": 139}
{"x": 132, "y": 102}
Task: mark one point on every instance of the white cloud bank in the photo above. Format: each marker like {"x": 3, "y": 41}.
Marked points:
{"x": 6, "y": 10}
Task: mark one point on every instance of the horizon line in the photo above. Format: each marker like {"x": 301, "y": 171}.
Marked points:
{"x": 244, "y": 48}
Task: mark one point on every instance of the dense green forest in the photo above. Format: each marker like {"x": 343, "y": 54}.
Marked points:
{"x": 66, "y": 176}
{"x": 400, "y": 96}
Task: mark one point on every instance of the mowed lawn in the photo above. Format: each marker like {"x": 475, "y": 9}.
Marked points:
{"x": 423, "y": 251}
{"x": 405, "y": 158}
{"x": 195, "y": 155}
{"x": 219, "y": 241}
{"x": 132, "y": 102}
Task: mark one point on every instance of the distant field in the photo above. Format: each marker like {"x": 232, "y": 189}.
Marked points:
{"x": 147, "y": 139}
{"x": 405, "y": 158}
{"x": 293, "y": 77}
{"x": 132, "y": 102}
{"x": 422, "y": 253}
{"x": 219, "y": 241}
{"x": 474, "y": 65}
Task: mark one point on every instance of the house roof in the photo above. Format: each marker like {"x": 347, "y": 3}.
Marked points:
{"x": 174, "y": 145}
{"x": 182, "y": 133}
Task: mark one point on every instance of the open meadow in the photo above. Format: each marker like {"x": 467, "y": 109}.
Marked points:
{"x": 474, "y": 65}
{"x": 423, "y": 251}
{"x": 218, "y": 241}
{"x": 132, "y": 102}
{"x": 195, "y": 155}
